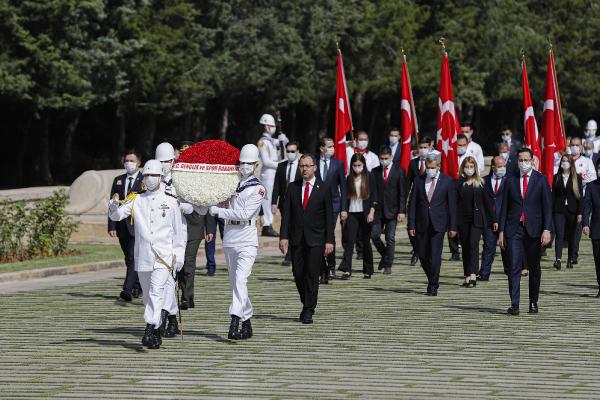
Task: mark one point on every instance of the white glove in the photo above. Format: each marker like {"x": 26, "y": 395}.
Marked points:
{"x": 201, "y": 210}
{"x": 276, "y": 142}
{"x": 113, "y": 204}
{"x": 177, "y": 267}
{"x": 186, "y": 208}
{"x": 283, "y": 139}
{"x": 213, "y": 210}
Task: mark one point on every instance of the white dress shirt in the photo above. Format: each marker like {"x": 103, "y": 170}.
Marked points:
{"x": 290, "y": 170}
{"x": 311, "y": 184}
{"x": 394, "y": 148}
{"x": 494, "y": 179}
{"x": 356, "y": 205}
{"x": 474, "y": 150}
{"x": 132, "y": 177}
{"x": 428, "y": 182}
{"x": 322, "y": 162}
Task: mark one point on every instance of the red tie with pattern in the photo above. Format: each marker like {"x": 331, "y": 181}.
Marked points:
{"x": 496, "y": 186}
{"x": 524, "y": 193}
{"x": 422, "y": 167}
{"x": 385, "y": 175}
{"x": 306, "y": 189}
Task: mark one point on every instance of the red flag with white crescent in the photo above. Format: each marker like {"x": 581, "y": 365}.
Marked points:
{"x": 343, "y": 115}
{"x": 448, "y": 125}
{"x": 553, "y": 136}
{"x": 532, "y": 136}
{"x": 409, "y": 118}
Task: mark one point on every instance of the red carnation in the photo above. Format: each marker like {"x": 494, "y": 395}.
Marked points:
{"x": 211, "y": 152}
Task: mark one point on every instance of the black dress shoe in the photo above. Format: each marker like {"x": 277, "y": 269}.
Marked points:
{"x": 308, "y": 317}
{"x": 331, "y": 275}
{"x": 413, "y": 260}
{"x": 387, "y": 270}
{"x": 301, "y": 317}
{"x": 359, "y": 256}
{"x": 125, "y": 296}
{"x": 569, "y": 264}
{"x": 191, "y": 303}
{"x": 184, "y": 305}
{"x": 557, "y": 264}
{"x": 210, "y": 273}
{"x": 366, "y": 276}
{"x": 380, "y": 267}
{"x": 286, "y": 263}
{"x": 455, "y": 257}
{"x": 269, "y": 232}
{"x": 346, "y": 276}
{"x": 533, "y": 308}
{"x": 431, "y": 292}
{"x": 575, "y": 260}
{"x": 513, "y": 310}
{"x": 323, "y": 280}
{"x": 483, "y": 278}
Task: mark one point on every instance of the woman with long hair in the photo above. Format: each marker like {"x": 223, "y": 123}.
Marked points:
{"x": 475, "y": 212}
{"x": 567, "y": 207}
{"x": 361, "y": 203}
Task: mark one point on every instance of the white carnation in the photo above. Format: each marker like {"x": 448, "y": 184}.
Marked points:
{"x": 205, "y": 188}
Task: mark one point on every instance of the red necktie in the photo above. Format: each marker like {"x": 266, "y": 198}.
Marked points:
{"x": 422, "y": 167}
{"x": 305, "y": 201}
{"x": 385, "y": 175}
{"x": 496, "y": 186}
{"x": 524, "y": 193}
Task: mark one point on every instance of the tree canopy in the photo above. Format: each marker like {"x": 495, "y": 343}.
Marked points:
{"x": 82, "y": 80}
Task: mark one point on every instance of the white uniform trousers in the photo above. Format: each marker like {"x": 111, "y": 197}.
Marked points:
{"x": 239, "y": 263}
{"x": 156, "y": 286}
{"x": 267, "y": 178}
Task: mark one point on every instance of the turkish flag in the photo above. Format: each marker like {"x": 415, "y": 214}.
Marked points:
{"x": 532, "y": 136}
{"x": 448, "y": 125}
{"x": 409, "y": 118}
{"x": 553, "y": 133}
{"x": 343, "y": 115}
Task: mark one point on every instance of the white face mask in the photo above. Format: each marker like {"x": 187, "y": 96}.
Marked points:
{"x": 357, "y": 170}
{"x": 506, "y": 138}
{"x": 423, "y": 152}
{"x": 246, "y": 170}
{"x": 130, "y": 167}
{"x": 565, "y": 165}
{"x": 432, "y": 172}
{"x": 271, "y": 129}
{"x": 504, "y": 155}
{"x": 589, "y": 153}
{"x": 500, "y": 172}
{"x": 329, "y": 152}
{"x": 292, "y": 156}
{"x": 575, "y": 150}
{"x": 469, "y": 171}
{"x": 362, "y": 144}
{"x": 461, "y": 150}
{"x": 151, "y": 182}
{"x": 386, "y": 162}
{"x": 468, "y": 135}
{"x": 590, "y": 133}
{"x": 394, "y": 140}
{"x": 167, "y": 166}
{"x": 524, "y": 166}
{"x": 568, "y": 151}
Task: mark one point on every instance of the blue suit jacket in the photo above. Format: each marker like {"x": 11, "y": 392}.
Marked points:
{"x": 591, "y": 205}
{"x": 537, "y": 206}
{"x": 336, "y": 180}
{"x": 498, "y": 197}
{"x": 118, "y": 186}
{"x": 441, "y": 212}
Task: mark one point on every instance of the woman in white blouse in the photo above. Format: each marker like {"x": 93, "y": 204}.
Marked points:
{"x": 361, "y": 203}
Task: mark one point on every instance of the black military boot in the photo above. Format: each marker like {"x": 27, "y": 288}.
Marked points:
{"x": 163, "y": 322}
{"x": 246, "y": 332}
{"x": 157, "y": 338}
{"x": 234, "y": 327}
{"x": 173, "y": 327}
{"x": 148, "y": 339}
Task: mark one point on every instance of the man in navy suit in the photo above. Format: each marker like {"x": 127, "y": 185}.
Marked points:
{"x": 494, "y": 185}
{"x": 525, "y": 227}
{"x": 331, "y": 171}
{"x": 432, "y": 212}
{"x": 395, "y": 145}
{"x": 591, "y": 205}
{"x": 122, "y": 186}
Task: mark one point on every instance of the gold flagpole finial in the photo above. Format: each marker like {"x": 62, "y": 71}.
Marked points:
{"x": 442, "y": 41}
{"x": 337, "y": 45}
{"x": 551, "y": 47}
{"x": 522, "y": 54}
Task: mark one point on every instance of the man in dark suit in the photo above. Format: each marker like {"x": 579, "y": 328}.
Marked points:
{"x": 307, "y": 227}
{"x": 331, "y": 171}
{"x": 287, "y": 172}
{"x": 395, "y": 145}
{"x": 525, "y": 227}
{"x": 513, "y": 144}
{"x": 198, "y": 227}
{"x": 123, "y": 186}
{"x": 417, "y": 168}
{"x": 494, "y": 185}
{"x": 591, "y": 227}
{"x": 390, "y": 182}
{"x": 510, "y": 160}
{"x": 432, "y": 212}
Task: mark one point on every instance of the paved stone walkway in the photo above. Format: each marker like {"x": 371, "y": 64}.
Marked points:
{"x": 378, "y": 338}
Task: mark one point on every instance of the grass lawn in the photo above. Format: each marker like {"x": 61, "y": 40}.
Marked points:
{"x": 88, "y": 253}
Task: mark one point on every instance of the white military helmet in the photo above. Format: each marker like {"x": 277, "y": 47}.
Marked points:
{"x": 249, "y": 153}
{"x": 267, "y": 119}
{"x": 164, "y": 152}
{"x": 591, "y": 126}
{"x": 152, "y": 167}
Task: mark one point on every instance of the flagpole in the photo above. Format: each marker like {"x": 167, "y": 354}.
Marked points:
{"x": 412, "y": 101}
{"x": 337, "y": 45}
{"x": 562, "y": 121}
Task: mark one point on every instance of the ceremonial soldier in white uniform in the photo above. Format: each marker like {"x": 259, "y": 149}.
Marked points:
{"x": 269, "y": 157}
{"x": 590, "y": 134}
{"x": 473, "y": 149}
{"x": 240, "y": 240}
{"x": 362, "y": 147}
{"x": 160, "y": 240}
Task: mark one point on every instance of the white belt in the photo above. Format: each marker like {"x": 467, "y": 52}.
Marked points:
{"x": 248, "y": 222}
